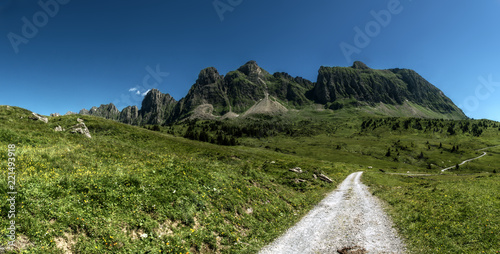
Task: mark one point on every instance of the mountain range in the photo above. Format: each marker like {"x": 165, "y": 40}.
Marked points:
{"x": 252, "y": 90}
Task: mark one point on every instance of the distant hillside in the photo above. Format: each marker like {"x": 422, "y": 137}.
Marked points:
{"x": 393, "y": 92}
{"x": 366, "y": 86}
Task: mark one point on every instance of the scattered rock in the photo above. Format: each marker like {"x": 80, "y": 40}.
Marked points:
{"x": 298, "y": 180}
{"x": 370, "y": 167}
{"x": 70, "y": 113}
{"x": 325, "y": 178}
{"x": 352, "y": 250}
{"x": 272, "y": 162}
{"x": 8, "y": 107}
{"x": 79, "y": 120}
{"x": 81, "y": 128}
{"x": 38, "y": 117}
{"x": 315, "y": 176}
{"x": 55, "y": 114}
{"x": 59, "y": 128}
{"x": 296, "y": 170}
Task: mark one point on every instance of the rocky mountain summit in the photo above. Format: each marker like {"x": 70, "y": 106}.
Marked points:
{"x": 108, "y": 111}
{"x": 252, "y": 90}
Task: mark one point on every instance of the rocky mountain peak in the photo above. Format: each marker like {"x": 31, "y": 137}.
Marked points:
{"x": 154, "y": 100}
{"x": 105, "y": 110}
{"x": 208, "y": 75}
{"x": 251, "y": 87}
{"x": 282, "y": 75}
{"x": 249, "y": 68}
{"x": 156, "y": 107}
{"x": 130, "y": 115}
{"x": 360, "y": 65}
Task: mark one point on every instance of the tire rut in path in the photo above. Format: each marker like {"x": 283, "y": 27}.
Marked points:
{"x": 349, "y": 217}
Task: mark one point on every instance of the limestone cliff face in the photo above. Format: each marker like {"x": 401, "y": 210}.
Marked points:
{"x": 130, "y": 115}
{"x": 156, "y": 107}
{"x": 393, "y": 86}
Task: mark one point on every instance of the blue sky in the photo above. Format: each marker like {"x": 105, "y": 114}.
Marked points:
{"x": 86, "y": 53}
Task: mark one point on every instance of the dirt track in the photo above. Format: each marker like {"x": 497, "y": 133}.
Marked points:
{"x": 465, "y": 161}
{"x": 349, "y": 218}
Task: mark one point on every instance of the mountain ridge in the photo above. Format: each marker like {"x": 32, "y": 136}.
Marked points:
{"x": 235, "y": 93}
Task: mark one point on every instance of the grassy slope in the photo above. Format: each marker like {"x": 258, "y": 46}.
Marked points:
{"x": 99, "y": 195}
{"x": 443, "y": 214}
{"x": 233, "y": 199}
{"x": 339, "y": 138}
{"x": 451, "y": 213}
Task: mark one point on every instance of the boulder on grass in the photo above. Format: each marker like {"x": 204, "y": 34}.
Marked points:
{"x": 325, "y": 178}
{"x": 38, "y": 117}
{"x": 81, "y": 128}
{"x": 296, "y": 170}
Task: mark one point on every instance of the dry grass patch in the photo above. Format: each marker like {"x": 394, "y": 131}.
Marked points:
{"x": 65, "y": 243}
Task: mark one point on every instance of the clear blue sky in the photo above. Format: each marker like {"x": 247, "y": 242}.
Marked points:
{"x": 87, "y": 53}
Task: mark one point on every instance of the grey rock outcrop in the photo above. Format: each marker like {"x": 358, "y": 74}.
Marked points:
{"x": 55, "y": 114}
{"x": 108, "y": 111}
{"x": 325, "y": 178}
{"x": 81, "y": 128}
{"x": 156, "y": 107}
{"x": 130, "y": 115}
{"x": 296, "y": 170}
{"x": 38, "y": 117}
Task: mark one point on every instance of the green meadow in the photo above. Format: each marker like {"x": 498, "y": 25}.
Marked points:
{"x": 187, "y": 188}
{"x": 132, "y": 190}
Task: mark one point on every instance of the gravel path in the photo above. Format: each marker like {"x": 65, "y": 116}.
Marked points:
{"x": 349, "y": 220}
{"x": 465, "y": 161}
